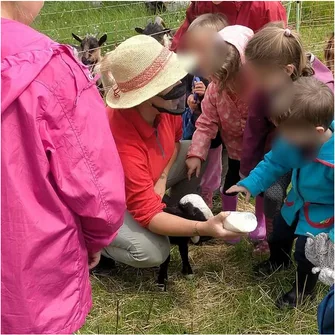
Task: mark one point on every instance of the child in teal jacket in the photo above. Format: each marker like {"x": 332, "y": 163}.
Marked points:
{"x": 306, "y": 145}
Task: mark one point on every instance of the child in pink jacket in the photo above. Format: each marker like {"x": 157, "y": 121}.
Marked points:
{"x": 62, "y": 184}
{"x": 224, "y": 108}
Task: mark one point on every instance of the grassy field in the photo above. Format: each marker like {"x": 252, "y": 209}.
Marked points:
{"x": 225, "y": 296}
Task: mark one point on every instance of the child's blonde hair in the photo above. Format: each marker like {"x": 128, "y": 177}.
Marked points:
{"x": 214, "y": 21}
{"x": 276, "y": 46}
{"x": 228, "y": 71}
{"x": 329, "y": 54}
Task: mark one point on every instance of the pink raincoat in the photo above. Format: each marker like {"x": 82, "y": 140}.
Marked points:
{"x": 62, "y": 183}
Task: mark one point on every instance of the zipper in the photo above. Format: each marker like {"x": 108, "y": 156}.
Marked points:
{"x": 159, "y": 143}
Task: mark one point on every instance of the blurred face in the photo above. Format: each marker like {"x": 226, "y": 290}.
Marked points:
{"x": 200, "y": 43}
{"x": 308, "y": 139}
{"x": 268, "y": 78}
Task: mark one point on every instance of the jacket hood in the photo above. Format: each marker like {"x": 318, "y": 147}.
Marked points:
{"x": 238, "y": 36}
{"x": 24, "y": 54}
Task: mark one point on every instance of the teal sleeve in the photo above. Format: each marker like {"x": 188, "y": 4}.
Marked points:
{"x": 275, "y": 164}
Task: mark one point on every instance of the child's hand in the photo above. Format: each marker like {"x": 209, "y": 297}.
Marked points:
{"x": 199, "y": 88}
{"x": 93, "y": 259}
{"x": 192, "y": 104}
{"x": 193, "y": 165}
{"x": 236, "y": 189}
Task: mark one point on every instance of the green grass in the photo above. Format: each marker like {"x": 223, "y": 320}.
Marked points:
{"x": 225, "y": 296}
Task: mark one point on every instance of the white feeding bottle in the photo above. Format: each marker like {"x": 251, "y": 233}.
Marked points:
{"x": 240, "y": 222}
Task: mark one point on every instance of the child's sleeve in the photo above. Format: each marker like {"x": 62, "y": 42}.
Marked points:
{"x": 255, "y": 135}
{"x": 207, "y": 126}
{"x": 280, "y": 160}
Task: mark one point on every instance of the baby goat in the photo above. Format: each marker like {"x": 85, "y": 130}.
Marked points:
{"x": 89, "y": 50}
{"x": 191, "y": 207}
{"x": 158, "y": 31}
{"x": 89, "y": 53}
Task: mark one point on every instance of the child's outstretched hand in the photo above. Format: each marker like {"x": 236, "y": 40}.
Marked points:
{"x": 199, "y": 88}
{"x": 194, "y": 166}
{"x": 192, "y": 104}
{"x": 236, "y": 189}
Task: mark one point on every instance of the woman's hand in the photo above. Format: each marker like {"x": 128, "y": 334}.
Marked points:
{"x": 93, "y": 259}
{"x": 193, "y": 165}
{"x": 236, "y": 189}
{"x": 160, "y": 186}
{"x": 214, "y": 227}
{"x": 199, "y": 88}
{"x": 192, "y": 104}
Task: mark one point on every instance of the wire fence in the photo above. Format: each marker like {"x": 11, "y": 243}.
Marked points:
{"x": 313, "y": 19}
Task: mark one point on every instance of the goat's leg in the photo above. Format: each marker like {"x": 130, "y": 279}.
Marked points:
{"x": 163, "y": 274}
{"x": 183, "y": 250}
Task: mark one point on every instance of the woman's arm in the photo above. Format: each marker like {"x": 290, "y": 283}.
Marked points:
{"x": 160, "y": 186}
{"x": 172, "y": 225}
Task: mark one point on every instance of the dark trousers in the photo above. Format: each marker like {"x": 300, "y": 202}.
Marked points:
{"x": 281, "y": 243}
{"x": 232, "y": 176}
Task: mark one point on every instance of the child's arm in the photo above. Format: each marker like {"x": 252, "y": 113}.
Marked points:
{"x": 280, "y": 160}
{"x": 207, "y": 126}
{"x": 256, "y": 132}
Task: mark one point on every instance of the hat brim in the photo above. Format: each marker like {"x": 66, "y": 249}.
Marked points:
{"x": 175, "y": 69}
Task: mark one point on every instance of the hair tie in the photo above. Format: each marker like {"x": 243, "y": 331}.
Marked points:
{"x": 287, "y": 32}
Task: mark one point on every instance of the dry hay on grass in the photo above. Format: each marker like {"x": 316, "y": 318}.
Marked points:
{"x": 224, "y": 297}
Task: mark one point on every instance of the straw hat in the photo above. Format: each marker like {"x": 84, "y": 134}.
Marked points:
{"x": 142, "y": 68}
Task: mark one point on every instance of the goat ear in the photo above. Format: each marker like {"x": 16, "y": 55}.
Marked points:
{"x": 102, "y": 40}
{"x": 139, "y": 30}
{"x": 77, "y": 38}
{"x": 160, "y": 21}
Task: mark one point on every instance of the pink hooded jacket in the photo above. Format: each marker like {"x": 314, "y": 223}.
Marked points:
{"x": 62, "y": 184}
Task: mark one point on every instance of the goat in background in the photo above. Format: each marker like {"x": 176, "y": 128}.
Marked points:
{"x": 89, "y": 53}
{"x": 158, "y": 31}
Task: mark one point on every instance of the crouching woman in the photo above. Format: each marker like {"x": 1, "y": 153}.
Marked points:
{"x": 144, "y": 110}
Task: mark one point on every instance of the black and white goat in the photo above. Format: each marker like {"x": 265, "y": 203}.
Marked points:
{"x": 158, "y": 31}
{"x": 191, "y": 207}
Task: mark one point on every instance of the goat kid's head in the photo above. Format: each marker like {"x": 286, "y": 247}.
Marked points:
{"x": 158, "y": 31}
{"x": 191, "y": 207}
{"x": 90, "y": 48}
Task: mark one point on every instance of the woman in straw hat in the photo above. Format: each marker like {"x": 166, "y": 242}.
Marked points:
{"x": 144, "y": 110}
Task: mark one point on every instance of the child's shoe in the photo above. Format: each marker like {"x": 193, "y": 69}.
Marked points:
{"x": 208, "y": 198}
{"x": 261, "y": 248}
{"x": 259, "y": 234}
{"x": 302, "y": 289}
{"x": 267, "y": 267}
